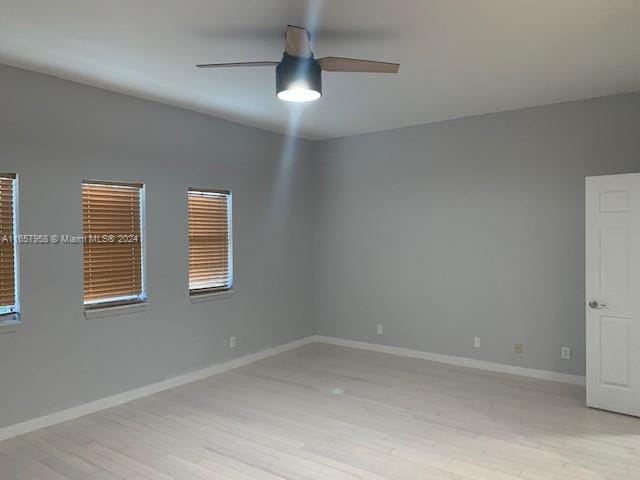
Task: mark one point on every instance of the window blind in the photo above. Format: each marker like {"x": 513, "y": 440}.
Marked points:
{"x": 210, "y": 267}
{"x": 7, "y": 244}
{"x": 111, "y": 218}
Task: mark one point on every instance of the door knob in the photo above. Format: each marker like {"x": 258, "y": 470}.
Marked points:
{"x": 597, "y": 306}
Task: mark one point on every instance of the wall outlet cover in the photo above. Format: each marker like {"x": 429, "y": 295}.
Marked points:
{"x": 565, "y": 353}
{"x": 379, "y": 329}
{"x": 476, "y": 342}
{"x": 233, "y": 342}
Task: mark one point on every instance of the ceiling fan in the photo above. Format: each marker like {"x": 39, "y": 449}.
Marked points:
{"x": 299, "y": 74}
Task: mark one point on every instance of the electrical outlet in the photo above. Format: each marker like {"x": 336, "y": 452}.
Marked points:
{"x": 476, "y": 342}
{"x": 517, "y": 348}
{"x": 379, "y": 329}
{"x": 233, "y": 342}
{"x": 565, "y": 353}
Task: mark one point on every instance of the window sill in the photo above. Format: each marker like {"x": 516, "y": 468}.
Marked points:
{"x": 114, "y": 310}
{"x": 10, "y": 323}
{"x": 207, "y": 297}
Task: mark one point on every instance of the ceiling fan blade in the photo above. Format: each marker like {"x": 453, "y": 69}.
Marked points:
{"x": 237, "y": 64}
{"x": 339, "y": 64}
{"x": 297, "y": 41}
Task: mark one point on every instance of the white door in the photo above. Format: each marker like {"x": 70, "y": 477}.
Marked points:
{"x": 613, "y": 292}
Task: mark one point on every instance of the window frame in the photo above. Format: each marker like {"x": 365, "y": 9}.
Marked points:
{"x": 202, "y": 292}
{"x": 11, "y": 313}
{"x": 117, "y": 303}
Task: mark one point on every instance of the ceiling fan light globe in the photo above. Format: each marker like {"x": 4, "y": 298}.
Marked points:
{"x": 300, "y": 93}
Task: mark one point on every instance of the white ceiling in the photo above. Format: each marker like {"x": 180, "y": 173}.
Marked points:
{"x": 458, "y": 57}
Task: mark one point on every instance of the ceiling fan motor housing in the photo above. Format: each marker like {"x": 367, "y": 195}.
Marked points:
{"x": 293, "y": 71}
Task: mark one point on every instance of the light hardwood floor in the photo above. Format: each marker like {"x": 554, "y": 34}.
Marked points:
{"x": 283, "y": 418}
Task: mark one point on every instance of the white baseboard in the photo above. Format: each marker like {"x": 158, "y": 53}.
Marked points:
{"x": 119, "y": 399}
{"x": 459, "y": 361}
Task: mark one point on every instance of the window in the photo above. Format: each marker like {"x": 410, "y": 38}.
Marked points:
{"x": 8, "y": 246}
{"x": 113, "y": 236}
{"x": 210, "y": 250}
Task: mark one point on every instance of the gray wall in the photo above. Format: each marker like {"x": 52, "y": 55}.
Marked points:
{"x": 472, "y": 227}
{"x": 55, "y": 133}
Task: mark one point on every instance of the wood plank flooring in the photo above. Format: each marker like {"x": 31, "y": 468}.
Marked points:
{"x": 328, "y": 412}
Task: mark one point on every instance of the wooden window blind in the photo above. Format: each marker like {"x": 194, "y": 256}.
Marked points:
{"x": 7, "y": 244}
{"x": 113, "y": 241}
{"x": 210, "y": 266}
